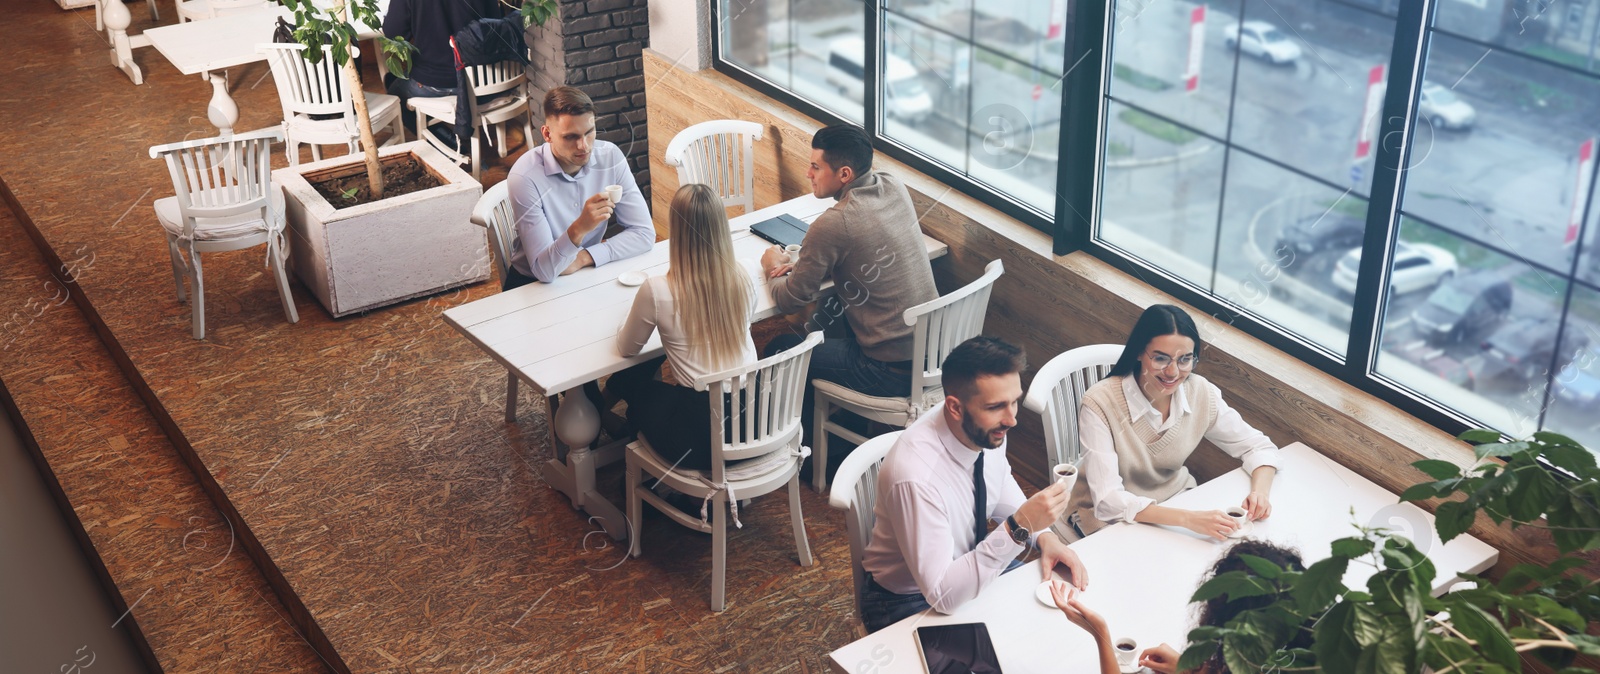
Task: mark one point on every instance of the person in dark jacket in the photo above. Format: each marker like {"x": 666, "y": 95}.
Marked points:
{"x": 428, "y": 24}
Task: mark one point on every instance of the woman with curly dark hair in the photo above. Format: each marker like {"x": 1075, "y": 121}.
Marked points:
{"x": 1217, "y": 611}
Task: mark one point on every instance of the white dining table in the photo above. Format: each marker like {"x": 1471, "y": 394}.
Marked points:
{"x": 208, "y": 48}
{"x": 1141, "y": 576}
{"x": 558, "y": 336}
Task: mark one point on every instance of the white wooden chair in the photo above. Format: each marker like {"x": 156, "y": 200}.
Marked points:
{"x": 200, "y": 10}
{"x": 493, "y": 213}
{"x": 1057, "y": 391}
{"x": 490, "y": 80}
{"x": 754, "y": 452}
{"x": 855, "y": 491}
{"x": 937, "y": 327}
{"x": 225, "y": 201}
{"x": 309, "y": 91}
{"x": 718, "y": 153}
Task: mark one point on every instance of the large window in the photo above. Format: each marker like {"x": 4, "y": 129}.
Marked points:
{"x": 1399, "y": 193}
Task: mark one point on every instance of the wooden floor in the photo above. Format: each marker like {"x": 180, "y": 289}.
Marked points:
{"x": 365, "y": 459}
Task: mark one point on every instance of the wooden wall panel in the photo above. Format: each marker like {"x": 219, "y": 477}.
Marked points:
{"x": 1049, "y": 304}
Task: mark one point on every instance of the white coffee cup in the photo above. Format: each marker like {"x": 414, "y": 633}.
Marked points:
{"x": 1127, "y": 651}
{"x": 793, "y": 251}
{"x": 1067, "y": 474}
{"x": 614, "y": 193}
{"x": 1239, "y": 517}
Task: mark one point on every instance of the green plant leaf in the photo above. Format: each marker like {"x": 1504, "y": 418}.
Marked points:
{"x": 1262, "y": 567}
{"x": 1480, "y": 436}
{"x": 1320, "y": 584}
{"x": 1452, "y": 519}
{"x": 1483, "y": 628}
{"x": 1506, "y": 449}
{"x": 1533, "y": 494}
{"x": 1235, "y": 585}
{"x": 1335, "y": 643}
{"x": 1196, "y": 655}
{"x": 1355, "y": 546}
{"x": 1421, "y": 492}
{"x": 1587, "y": 644}
{"x": 1576, "y": 460}
{"x": 1437, "y": 469}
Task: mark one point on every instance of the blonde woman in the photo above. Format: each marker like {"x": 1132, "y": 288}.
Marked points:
{"x": 702, "y": 308}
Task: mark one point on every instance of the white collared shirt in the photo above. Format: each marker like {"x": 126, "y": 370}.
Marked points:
{"x": 1229, "y": 433}
{"x": 922, "y": 538}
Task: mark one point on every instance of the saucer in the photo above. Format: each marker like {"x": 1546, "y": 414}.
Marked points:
{"x": 1243, "y": 530}
{"x": 1042, "y": 593}
{"x": 632, "y": 278}
{"x": 1134, "y": 668}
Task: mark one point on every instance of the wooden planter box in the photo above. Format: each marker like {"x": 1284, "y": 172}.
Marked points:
{"x": 363, "y": 257}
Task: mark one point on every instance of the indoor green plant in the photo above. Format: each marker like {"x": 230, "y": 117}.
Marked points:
{"x": 1394, "y": 625}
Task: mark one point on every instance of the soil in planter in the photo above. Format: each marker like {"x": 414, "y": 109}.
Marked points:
{"x": 400, "y": 177}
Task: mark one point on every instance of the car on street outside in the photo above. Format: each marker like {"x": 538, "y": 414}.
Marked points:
{"x": 1579, "y": 381}
{"x": 1261, "y": 40}
{"x": 1522, "y": 349}
{"x": 1435, "y": 360}
{"x": 1334, "y": 231}
{"x": 1417, "y": 266}
{"x": 904, "y": 96}
{"x": 1444, "y": 109}
{"x": 1463, "y": 306}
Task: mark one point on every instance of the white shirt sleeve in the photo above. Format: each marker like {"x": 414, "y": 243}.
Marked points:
{"x": 637, "y": 235}
{"x": 544, "y": 244}
{"x": 1238, "y": 439}
{"x": 921, "y": 527}
{"x": 1112, "y": 502}
{"x": 641, "y": 322}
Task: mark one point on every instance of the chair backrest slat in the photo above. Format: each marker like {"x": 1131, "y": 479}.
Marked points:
{"x": 1057, "y": 392}
{"x": 759, "y": 397}
{"x": 306, "y": 88}
{"x": 855, "y": 491}
{"x": 719, "y": 154}
{"x": 943, "y": 324}
{"x": 219, "y": 177}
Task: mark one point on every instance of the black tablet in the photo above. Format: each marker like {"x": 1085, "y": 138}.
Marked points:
{"x": 957, "y": 649}
{"x": 784, "y": 230}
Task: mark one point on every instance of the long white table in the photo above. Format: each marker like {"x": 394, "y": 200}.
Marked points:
{"x": 558, "y": 336}
{"x": 208, "y": 48}
{"x": 1141, "y": 576}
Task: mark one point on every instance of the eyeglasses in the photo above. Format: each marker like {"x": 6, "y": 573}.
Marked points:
{"x": 1185, "y": 362}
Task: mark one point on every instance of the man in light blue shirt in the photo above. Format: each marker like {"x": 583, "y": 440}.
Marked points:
{"x": 559, "y": 200}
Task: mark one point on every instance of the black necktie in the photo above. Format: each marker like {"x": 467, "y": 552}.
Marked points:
{"x": 980, "y": 503}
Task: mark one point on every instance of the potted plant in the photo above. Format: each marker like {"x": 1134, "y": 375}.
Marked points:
{"x": 1395, "y": 625}
{"x": 361, "y": 241}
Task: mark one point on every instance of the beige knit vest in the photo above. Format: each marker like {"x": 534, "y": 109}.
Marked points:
{"x": 1150, "y": 463}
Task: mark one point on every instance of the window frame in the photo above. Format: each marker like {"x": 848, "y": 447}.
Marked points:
{"x": 1086, "y": 67}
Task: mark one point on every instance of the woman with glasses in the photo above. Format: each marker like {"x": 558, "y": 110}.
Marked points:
{"x": 1139, "y": 425}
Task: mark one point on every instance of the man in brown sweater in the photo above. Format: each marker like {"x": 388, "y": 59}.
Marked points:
{"x": 870, "y": 245}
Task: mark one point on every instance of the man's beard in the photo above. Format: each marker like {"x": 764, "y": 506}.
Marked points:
{"x": 979, "y": 436}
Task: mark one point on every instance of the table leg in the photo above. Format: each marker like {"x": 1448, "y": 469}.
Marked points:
{"x": 117, "y": 19}
{"x": 222, "y": 111}
{"x": 574, "y": 477}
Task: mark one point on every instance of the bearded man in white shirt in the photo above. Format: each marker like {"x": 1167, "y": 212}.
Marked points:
{"x": 944, "y": 481}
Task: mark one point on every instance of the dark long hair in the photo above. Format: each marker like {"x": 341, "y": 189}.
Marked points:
{"x": 1217, "y": 611}
{"x": 1158, "y": 320}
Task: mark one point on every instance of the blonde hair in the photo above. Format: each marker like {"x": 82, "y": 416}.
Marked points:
{"x": 710, "y": 288}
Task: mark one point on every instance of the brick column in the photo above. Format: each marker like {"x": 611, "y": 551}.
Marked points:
{"x": 596, "y": 46}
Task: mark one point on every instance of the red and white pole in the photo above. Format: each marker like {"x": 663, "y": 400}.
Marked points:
{"x": 1585, "y": 180}
{"x": 1369, "y": 111}
{"x": 1197, "y": 46}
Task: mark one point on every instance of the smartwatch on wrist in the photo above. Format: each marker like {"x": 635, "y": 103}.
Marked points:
{"x": 1019, "y": 533}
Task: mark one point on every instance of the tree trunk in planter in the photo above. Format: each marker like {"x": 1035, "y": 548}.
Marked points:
{"x": 364, "y": 123}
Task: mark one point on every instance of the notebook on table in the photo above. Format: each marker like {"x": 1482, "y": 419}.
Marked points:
{"x": 784, "y": 230}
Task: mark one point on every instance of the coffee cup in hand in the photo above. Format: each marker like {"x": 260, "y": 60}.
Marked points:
{"x": 1240, "y": 519}
{"x": 793, "y": 252}
{"x": 1127, "y": 651}
{"x": 1066, "y": 474}
{"x": 614, "y": 193}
